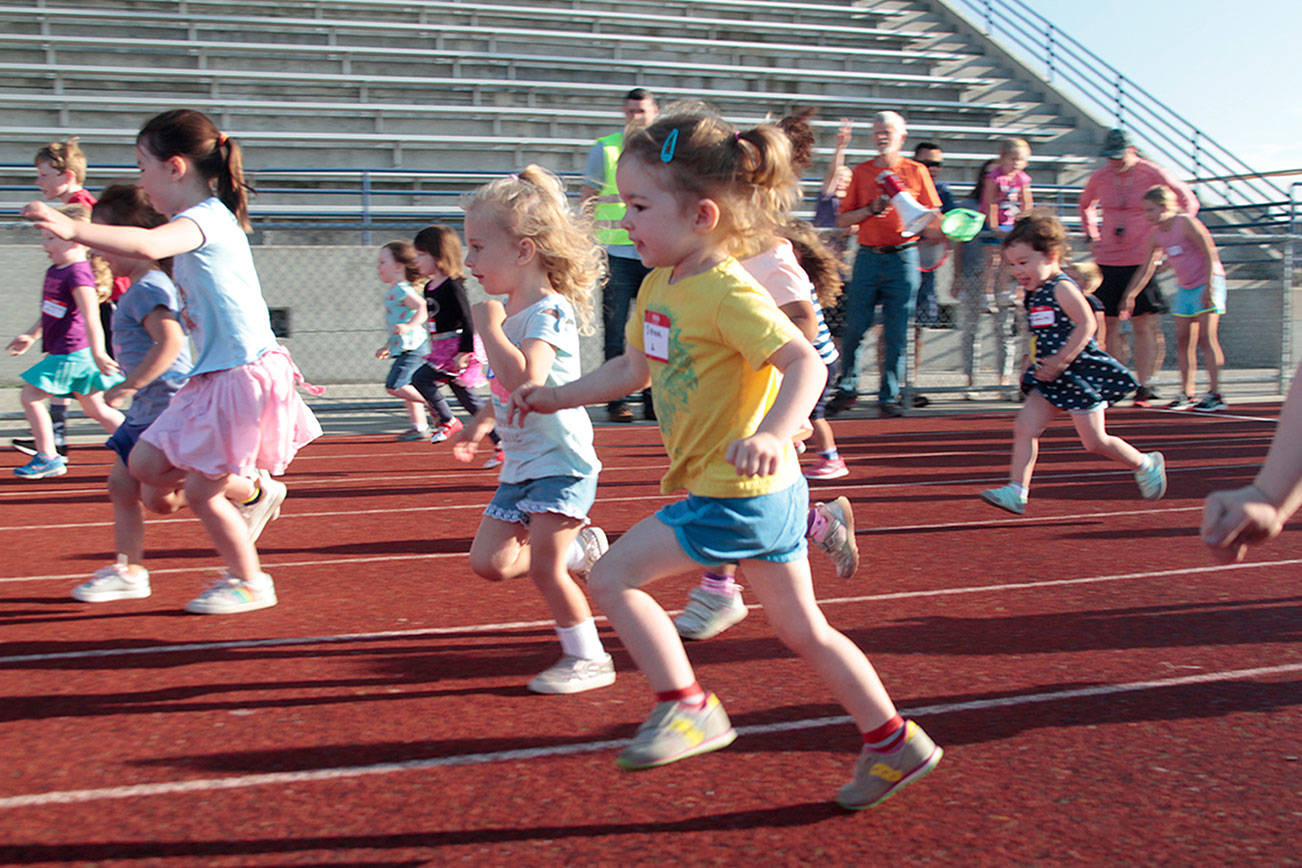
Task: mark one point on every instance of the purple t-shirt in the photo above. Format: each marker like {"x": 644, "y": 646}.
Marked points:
{"x": 63, "y": 330}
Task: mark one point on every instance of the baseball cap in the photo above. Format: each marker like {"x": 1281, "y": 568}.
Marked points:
{"x": 1115, "y": 144}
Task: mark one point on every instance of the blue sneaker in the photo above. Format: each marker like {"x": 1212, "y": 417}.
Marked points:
{"x": 1151, "y": 479}
{"x": 42, "y": 466}
{"x": 1005, "y": 497}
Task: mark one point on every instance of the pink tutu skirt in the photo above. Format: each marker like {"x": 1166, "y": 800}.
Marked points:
{"x": 237, "y": 421}
{"x": 443, "y": 349}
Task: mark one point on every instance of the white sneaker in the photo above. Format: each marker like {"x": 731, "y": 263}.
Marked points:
{"x": 837, "y": 536}
{"x": 114, "y": 582}
{"x": 708, "y": 614}
{"x": 573, "y": 674}
{"x": 592, "y": 540}
{"x": 229, "y": 596}
{"x": 266, "y": 508}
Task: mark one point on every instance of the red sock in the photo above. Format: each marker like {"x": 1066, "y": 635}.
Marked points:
{"x": 692, "y": 694}
{"x": 886, "y": 737}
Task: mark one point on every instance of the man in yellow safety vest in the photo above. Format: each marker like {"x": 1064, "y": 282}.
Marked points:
{"x": 626, "y": 269}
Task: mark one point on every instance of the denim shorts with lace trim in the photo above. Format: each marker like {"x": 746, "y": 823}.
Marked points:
{"x": 570, "y": 496}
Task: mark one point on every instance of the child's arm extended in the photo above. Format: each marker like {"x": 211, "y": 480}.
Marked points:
{"x": 1078, "y": 310}
{"x": 1127, "y": 304}
{"x": 169, "y": 339}
{"x": 616, "y": 378}
{"x": 803, "y": 377}
{"x": 466, "y": 441}
{"x": 170, "y": 239}
{"x": 20, "y": 344}
{"x": 1257, "y": 512}
{"x": 88, "y": 304}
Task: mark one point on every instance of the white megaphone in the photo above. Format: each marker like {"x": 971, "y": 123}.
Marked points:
{"x": 913, "y": 217}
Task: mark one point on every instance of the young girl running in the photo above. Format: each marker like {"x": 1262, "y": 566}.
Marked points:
{"x": 1068, "y": 371}
{"x": 154, "y": 353}
{"x": 1199, "y": 301}
{"x": 526, "y": 244}
{"x": 455, "y": 353}
{"x": 404, "y": 320}
{"x": 238, "y": 418}
{"x": 77, "y": 363}
{"x": 737, "y": 380}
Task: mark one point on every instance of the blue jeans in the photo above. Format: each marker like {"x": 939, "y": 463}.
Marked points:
{"x": 622, "y": 283}
{"x": 891, "y": 280}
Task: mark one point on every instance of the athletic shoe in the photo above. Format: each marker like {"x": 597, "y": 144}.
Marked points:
{"x": 446, "y": 430}
{"x": 27, "y": 446}
{"x": 229, "y": 596}
{"x": 266, "y": 507}
{"x": 1145, "y": 397}
{"x": 708, "y": 614}
{"x": 619, "y": 413}
{"x": 114, "y": 582}
{"x": 837, "y": 537}
{"x": 1005, "y": 497}
{"x": 1152, "y": 481}
{"x": 828, "y": 468}
{"x": 919, "y": 400}
{"x": 1211, "y": 403}
{"x": 414, "y": 434}
{"x": 840, "y": 402}
{"x": 498, "y": 459}
{"x": 890, "y": 410}
{"x": 42, "y": 466}
{"x": 1184, "y": 402}
{"x": 573, "y": 674}
{"x": 592, "y": 540}
{"x": 676, "y": 731}
{"x": 878, "y": 776}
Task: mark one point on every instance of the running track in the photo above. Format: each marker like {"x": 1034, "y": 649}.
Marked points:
{"x": 1105, "y": 692}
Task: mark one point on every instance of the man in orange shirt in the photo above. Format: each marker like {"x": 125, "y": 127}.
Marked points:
{"x": 886, "y": 266}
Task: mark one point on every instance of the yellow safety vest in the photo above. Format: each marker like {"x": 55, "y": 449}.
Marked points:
{"x": 609, "y": 211}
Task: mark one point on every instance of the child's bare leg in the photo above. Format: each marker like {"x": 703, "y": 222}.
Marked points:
{"x": 415, "y": 405}
{"x": 1213, "y": 356}
{"x": 550, "y": 536}
{"x": 500, "y": 550}
{"x": 1030, "y": 423}
{"x": 649, "y": 551}
{"x": 94, "y": 407}
{"x": 128, "y": 517}
{"x": 1095, "y": 438}
{"x": 823, "y": 439}
{"x": 149, "y": 465}
{"x": 211, "y": 502}
{"x": 38, "y": 418}
{"x": 1186, "y": 337}
{"x": 787, "y": 594}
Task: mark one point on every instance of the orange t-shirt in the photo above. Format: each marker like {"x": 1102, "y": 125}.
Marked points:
{"x": 883, "y": 230}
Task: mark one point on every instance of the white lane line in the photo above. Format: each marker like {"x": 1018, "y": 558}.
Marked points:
{"x": 207, "y": 785}
{"x": 190, "y": 647}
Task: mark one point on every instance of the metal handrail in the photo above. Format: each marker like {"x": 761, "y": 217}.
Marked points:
{"x": 1105, "y": 88}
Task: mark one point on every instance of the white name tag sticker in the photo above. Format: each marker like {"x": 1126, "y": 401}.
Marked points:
{"x": 56, "y": 309}
{"x": 1041, "y": 317}
{"x": 655, "y": 336}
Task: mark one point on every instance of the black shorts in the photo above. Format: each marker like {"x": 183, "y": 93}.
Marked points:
{"x": 1115, "y": 280}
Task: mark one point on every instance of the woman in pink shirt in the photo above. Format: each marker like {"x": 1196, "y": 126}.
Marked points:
{"x": 1199, "y": 300}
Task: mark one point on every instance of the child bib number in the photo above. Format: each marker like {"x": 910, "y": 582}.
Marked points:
{"x": 56, "y": 309}
{"x": 1041, "y": 317}
{"x": 655, "y": 336}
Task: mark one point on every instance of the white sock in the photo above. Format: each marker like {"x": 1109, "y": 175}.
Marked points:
{"x": 582, "y": 640}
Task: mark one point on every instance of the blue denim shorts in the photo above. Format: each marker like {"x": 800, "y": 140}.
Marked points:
{"x": 1189, "y": 302}
{"x": 123, "y": 440}
{"x": 724, "y": 530}
{"x": 570, "y": 496}
{"x": 404, "y": 365}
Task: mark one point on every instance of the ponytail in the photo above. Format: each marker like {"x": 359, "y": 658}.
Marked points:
{"x": 215, "y": 155}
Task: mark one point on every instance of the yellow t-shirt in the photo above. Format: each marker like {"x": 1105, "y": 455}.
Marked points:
{"x": 706, "y": 339}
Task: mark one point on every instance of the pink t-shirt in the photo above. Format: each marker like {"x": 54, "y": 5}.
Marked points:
{"x": 1008, "y": 195}
{"x": 1190, "y": 266}
{"x": 1121, "y": 196}
{"x": 779, "y": 272}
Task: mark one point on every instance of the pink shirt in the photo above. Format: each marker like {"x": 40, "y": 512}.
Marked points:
{"x": 1008, "y": 195}
{"x": 1190, "y": 266}
{"x": 1121, "y": 196}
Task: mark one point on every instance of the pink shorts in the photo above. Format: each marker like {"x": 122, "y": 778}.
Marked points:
{"x": 237, "y": 421}
{"x": 443, "y": 349}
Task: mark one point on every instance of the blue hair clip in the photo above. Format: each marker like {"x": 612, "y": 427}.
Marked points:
{"x": 667, "y": 149}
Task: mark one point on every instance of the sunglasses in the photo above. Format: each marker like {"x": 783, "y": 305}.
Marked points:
{"x": 932, "y": 164}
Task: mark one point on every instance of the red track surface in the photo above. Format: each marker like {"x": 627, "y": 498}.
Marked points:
{"x": 1104, "y": 692}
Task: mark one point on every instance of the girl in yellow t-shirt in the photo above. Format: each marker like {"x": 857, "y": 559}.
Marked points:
{"x": 734, "y": 381}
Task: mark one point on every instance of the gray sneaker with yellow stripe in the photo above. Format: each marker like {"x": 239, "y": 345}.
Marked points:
{"x": 676, "y": 730}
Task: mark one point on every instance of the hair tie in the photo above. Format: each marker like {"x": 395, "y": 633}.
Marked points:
{"x": 667, "y": 149}
{"x": 514, "y": 176}
{"x": 222, "y": 139}
{"x": 736, "y": 135}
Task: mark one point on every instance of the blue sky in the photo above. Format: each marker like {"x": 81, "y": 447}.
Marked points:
{"x": 1231, "y": 69}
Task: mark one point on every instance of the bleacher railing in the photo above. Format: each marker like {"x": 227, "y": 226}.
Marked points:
{"x": 1104, "y": 90}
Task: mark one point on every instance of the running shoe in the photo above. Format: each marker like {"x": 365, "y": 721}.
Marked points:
{"x": 414, "y": 434}
{"x": 890, "y": 410}
{"x": 828, "y": 468}
{"x": 833, "y": 532}
{"x": 266, "y": 508}
{"x": 446, "y": 430}
{"x": 1145, "y": 397}
{"x": 840, "y": 402}
{"x": 27, "y": 446}
{"x": 114, "y": 582}
{"x": 676, "y": 731}
{"x": 1184, "y": 402}
{"x": 1211, "y": 403}
{"x": 880, "y": 775}
{"x": 1152, "y": 478}
{"x": 1005, "y": 497}
{"x": 42, "y": 466}
{"x": 708, "y": 614}
{"x": 592, "y": 541}
{"x": 229, "y": 596}
{"x": 498, "y": 459}
{"x": 573, "y": 674}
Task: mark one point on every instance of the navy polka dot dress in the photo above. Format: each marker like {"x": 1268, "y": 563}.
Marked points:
{"x": 1091, "y": 378}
